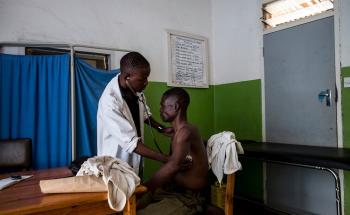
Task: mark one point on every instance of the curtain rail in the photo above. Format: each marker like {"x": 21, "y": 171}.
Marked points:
{"x": 71, "y": 47}
{"x": 100, "y": 47}
{"x": 14, "y": 44}
{"x": 62, "y": 45}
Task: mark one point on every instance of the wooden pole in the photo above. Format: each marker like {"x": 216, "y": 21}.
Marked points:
{"x": 130, "y": 206}
{"x": 230, "y": 186}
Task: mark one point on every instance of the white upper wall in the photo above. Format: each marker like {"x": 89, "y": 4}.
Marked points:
{"x": 127, "y": 24}
{"x": 233, "y": 29}
{"x": 237, "y": 35}
{"x": 345, "y": 32}
{"x": 237, "y": 40}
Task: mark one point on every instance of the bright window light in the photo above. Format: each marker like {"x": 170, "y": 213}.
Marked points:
{"x": 282, "y": 11}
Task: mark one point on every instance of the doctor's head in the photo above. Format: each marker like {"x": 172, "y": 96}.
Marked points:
{"x": 134, "y": 71}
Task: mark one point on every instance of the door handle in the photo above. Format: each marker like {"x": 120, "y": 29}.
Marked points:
{"x": 326, "y": 94}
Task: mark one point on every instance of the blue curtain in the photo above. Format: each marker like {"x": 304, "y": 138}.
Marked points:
{"x": 35, "y": 103}
{"x": 90, "y": 83}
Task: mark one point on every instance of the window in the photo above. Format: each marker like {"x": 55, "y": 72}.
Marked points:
{"x": 283, "y": 11}
{"x": 97, "y": 60}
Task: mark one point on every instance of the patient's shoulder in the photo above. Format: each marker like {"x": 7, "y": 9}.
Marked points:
{"x": 187, "y": 131}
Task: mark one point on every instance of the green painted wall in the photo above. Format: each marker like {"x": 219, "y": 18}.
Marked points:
{"x": 235, "y": 107}
{"x": 238, "y": 108}
{"x": 200, "y": 113}
{"x": 345, "y": 72}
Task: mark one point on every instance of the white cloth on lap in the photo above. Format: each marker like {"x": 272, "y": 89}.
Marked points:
{"x": 118, "y": 176}
{"x": 222, "y": 151}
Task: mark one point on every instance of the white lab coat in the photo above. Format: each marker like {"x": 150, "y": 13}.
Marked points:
{"x": 116, "y": 130}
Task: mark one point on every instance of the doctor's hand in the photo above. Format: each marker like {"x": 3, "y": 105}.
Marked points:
{"x": 187, "y": 163}
{"x": 169, "y": 131}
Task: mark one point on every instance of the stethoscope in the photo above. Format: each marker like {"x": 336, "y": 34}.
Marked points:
{"x": 141, "y": 98}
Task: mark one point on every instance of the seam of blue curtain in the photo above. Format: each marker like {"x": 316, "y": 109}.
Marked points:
{"x": 89, "y": 85}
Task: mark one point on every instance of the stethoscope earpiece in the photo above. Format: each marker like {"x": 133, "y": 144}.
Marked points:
{"x": 129, "y": 86}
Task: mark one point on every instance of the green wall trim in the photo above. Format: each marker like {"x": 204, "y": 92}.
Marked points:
{"x": 200, "y": 113}
{"x": 238, "y": 109}
{"x": 228, "y": 107}
{"x": 345, "y": 72}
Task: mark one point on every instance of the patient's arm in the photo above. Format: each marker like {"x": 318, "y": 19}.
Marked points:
{"x": 180, "y": 148}
{"x": 144, "y": 151}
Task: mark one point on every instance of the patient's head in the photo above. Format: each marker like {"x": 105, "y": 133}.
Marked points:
{"x": 174, "y": 101}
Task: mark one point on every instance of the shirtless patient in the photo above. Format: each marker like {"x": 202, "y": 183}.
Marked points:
{"x": 174, "y": 190}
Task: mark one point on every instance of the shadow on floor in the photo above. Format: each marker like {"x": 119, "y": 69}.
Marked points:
{"x": 244, "y": 206}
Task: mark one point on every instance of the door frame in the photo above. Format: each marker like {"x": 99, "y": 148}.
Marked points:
{"x": 337, "y": 14}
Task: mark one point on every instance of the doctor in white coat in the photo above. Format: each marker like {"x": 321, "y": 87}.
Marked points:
{"x": 121, "y": 114}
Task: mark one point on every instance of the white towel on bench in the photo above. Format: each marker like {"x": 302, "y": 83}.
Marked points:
{"x": 119, "y": 177}
{"x": 222, "y": 151}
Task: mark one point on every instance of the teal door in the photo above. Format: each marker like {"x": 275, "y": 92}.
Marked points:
{"x": 300, "y": 109}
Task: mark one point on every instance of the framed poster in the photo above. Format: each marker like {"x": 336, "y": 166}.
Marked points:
{"x": 188, "y": 60}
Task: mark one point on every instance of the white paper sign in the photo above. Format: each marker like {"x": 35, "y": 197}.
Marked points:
{"x": 346, "y": 82}
{"x": 10, "y": 181}
{"x": 188, "y": 62}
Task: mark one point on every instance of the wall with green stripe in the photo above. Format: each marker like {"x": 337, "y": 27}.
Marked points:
{"x": 238, "y": 108}
{"x": 233, "y": 107}
{"x": 200, "y": 113}
{"x": 345, "y": 72}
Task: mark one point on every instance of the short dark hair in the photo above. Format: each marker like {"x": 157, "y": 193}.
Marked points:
{"x": 182, "y": 96}
{"x": 133, "y": 60}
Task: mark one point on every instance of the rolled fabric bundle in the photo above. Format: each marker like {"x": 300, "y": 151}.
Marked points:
{"x": 86, "y": 183}
{"x": 118, "y": 175}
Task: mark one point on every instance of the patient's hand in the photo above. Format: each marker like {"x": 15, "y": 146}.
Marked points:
{"x": 187, "y": 163}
